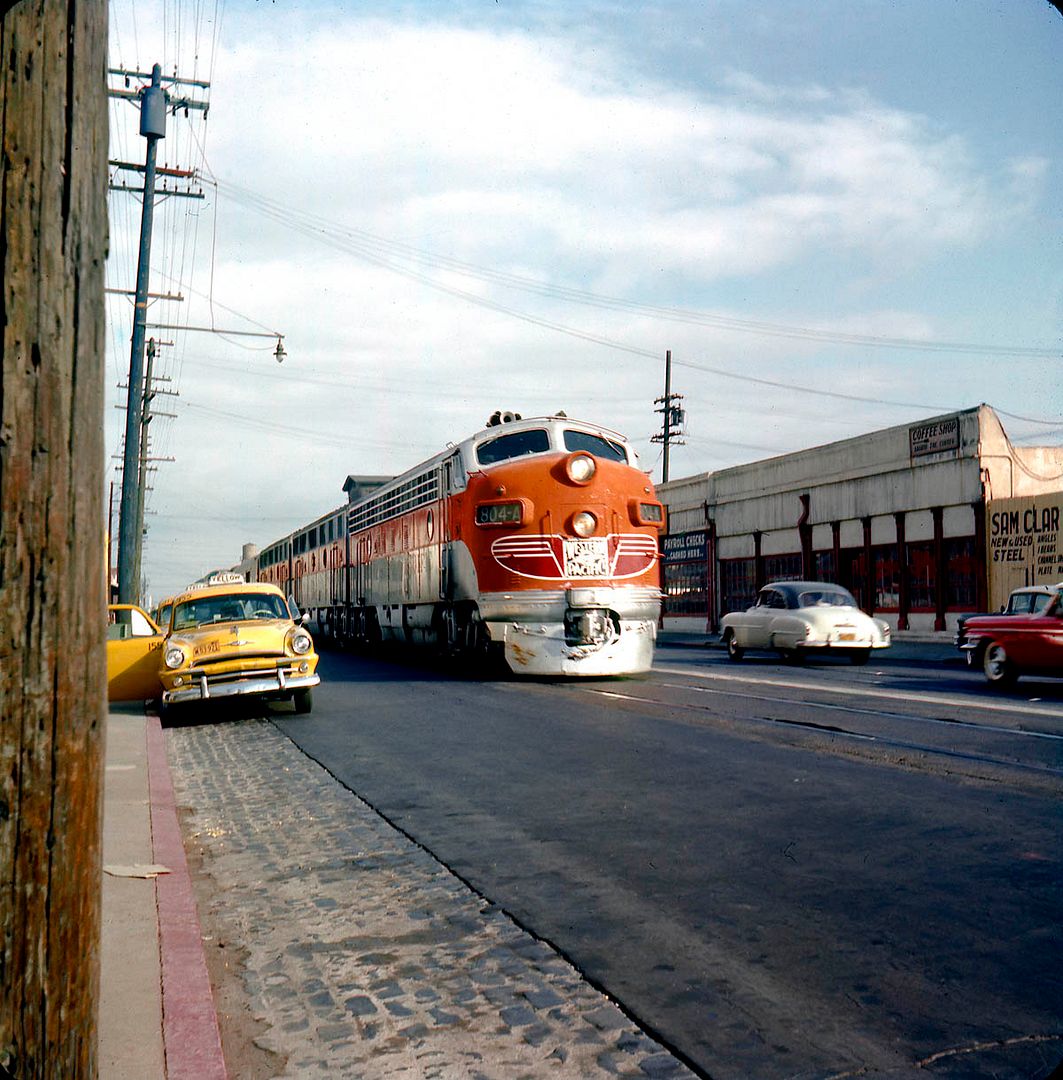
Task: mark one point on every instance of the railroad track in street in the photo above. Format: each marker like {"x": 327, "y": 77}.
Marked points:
{"x": 1028, "y": 746}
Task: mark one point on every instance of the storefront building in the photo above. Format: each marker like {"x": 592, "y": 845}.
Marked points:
{"x": 898, "y": 516}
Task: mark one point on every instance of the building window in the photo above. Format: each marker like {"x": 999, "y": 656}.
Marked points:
{"x": 737, "y": 584}
{"x": 853, "y": 573}
{"x": 824, "y": 567}
{"x": 782, "y": 567}
{"x": 685, "y": 588}
{"x": 922, "y": 577}
{"x": 961, "y": 581}
{"x": 684, "y": 573}
{"x": 886, "y": 576}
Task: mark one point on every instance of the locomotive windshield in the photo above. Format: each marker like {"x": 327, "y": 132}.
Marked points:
{"x": 513, "y": 445}
{"x": 594, "y": 444}
{"x": 537, "y": 441}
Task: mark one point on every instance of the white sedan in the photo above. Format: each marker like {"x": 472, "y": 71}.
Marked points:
{"x": 800, "y": 617}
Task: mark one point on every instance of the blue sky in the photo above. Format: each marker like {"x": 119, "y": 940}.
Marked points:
{"x": 449, "y": 209}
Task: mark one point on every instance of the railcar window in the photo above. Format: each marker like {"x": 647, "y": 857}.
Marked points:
{"x": 515, "y": 445}
{"x": 421, "y": 491}
{"x": 595, "y": 444}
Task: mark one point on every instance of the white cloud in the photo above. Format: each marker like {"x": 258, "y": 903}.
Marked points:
{"x": 489, "y": 140}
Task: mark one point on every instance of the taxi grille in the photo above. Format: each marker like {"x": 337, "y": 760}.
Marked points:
{"x": 241, "y": 655}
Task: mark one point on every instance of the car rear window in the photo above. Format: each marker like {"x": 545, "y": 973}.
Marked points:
{"x": 825, "y": 598}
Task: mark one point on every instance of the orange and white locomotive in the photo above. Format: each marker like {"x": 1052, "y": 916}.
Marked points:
{"x": 538, "y": 537}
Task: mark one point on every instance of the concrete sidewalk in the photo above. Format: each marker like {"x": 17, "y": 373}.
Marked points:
{"x": 157, "y": 1016}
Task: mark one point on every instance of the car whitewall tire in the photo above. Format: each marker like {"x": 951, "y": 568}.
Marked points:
{"x": 996, "y": 666}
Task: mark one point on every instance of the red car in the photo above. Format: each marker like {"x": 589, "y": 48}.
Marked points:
{"x": 1008, "y": 646}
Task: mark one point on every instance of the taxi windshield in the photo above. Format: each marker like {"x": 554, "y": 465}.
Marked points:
{"x": 204, "y": 610}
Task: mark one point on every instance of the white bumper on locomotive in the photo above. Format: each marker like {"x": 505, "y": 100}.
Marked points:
{"x": 594, "y": 630}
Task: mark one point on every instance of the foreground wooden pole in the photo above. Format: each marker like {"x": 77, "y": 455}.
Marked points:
{"x": 53, "y": 235}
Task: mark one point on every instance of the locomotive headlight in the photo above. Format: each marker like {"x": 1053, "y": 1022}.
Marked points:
{"x": 175, "y": 657}
{"x": 581, "y": 468}
{"x": 300, "y": 642}
{"x": 584, "y": 523}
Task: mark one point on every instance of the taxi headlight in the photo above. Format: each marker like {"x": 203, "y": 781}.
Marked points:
{"x": 584, "y": 523}
{"x": 301, "y": 642}
{"x": 580, "y": 468}
{"x": 174, "y": 657}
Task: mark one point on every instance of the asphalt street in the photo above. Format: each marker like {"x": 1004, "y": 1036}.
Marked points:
{"x": 775, "y": 870}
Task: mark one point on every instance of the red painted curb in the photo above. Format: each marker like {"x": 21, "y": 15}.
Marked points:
{"x": 189, "y": 1020}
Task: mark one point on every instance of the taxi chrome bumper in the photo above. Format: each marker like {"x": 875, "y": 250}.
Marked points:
{"x": 202, "y": 688}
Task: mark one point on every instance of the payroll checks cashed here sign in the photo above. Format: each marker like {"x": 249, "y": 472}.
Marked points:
{"x": 1025, "y": 543}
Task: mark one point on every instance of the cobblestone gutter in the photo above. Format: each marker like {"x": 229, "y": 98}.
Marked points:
{"x": 366, "y": 956}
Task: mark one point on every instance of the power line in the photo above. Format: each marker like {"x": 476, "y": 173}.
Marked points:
{"x": 372, "y": 245}
{"x": 320, "y": 229}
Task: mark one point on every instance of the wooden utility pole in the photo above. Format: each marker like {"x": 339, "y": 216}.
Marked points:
{"x": 53, "y": 237}
{"x": 673, "y": 415}
{"x": 154, "y": 103}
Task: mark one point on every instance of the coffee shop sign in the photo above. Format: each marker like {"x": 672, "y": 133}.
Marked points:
{"x": 934, "y": 438}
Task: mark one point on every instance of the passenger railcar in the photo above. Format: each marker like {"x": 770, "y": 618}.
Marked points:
{"x": 319, "y": 561}
{"x": 538, "y": 537}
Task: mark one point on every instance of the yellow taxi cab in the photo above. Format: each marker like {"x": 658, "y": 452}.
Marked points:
{"x": 228, "y": 640}
{"x": 231, "y": 640}
{"x": 160, "y": 614}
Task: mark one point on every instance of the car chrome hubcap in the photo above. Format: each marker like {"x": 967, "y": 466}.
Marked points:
{"x": 995, "y": 661}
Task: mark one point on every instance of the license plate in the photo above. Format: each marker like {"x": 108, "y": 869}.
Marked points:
{"x": 847, "y": 637}
{"x": 587, "y": 558}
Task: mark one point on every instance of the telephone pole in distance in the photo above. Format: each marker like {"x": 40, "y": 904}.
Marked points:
{"x": 674, "y": 417}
